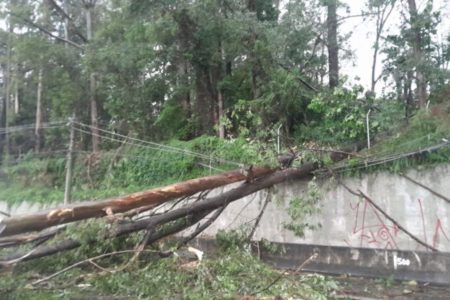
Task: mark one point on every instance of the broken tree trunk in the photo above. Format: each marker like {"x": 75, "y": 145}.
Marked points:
{"x": 91, "y": 209}
{"x": 191, "y": 210}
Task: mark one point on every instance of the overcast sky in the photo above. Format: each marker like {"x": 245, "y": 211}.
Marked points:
{"x": 363, "y": 38}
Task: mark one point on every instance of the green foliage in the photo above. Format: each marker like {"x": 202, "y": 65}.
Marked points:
{"x": 340, "y": 117}
{"x": 424, "y": 130}
{"x": 226, "y": 275}
{"x": 233, "y": 240}
{"x": 302, "y": 208}
{"x": 173, "y": 123}
{"x": 318, "y": 286}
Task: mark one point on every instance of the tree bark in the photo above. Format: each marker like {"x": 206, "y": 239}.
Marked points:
{"x": 85, "y": 210}
{"x": 333, "y": 49}
{"x": 89, "y": 6}
{"x": 7, "y": 89}
{"x": 37, "y": 129}
{"x": 65, "y": 10}
{"x": 204, "y": 103}
{"x": 416, "y": 43}
{"x": 183, "y": 81}
{"x": 221, "y": 114}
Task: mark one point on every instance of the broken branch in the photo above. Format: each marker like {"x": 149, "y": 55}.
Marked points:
{"x": 361, "y": 194}
{"x": 427, "y": 188}
{"x": 86, "y": 210}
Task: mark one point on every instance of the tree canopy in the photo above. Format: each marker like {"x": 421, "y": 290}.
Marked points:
{"x": 180, "y": 69}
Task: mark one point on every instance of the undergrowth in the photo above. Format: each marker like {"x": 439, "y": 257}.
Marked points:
{"x": 423, "y": 131}
{"x": 231, "y": 272}
{"x": 125, "y": 170}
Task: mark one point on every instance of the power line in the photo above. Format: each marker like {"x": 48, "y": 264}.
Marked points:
{"x": 26, "y": 127}
{"x": 142, "y": 146}
{"x": 157, "y": 146}
{"x": 383, "y": 160}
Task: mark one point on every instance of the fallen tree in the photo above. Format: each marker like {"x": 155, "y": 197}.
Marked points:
{"x": 150, "y": 199}
{"x": 187, "y": 215}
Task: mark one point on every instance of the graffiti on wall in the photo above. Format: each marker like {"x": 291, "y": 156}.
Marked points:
{"x": 371, "y": 229}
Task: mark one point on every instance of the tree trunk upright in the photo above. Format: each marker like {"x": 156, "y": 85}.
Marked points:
{"x": 37, "y": 129}
{"x": 332, "y": 43}
{"x": 66, "y": 22}
{"x": 7, "y": 91}
{"x": 382, "y": 15}
{"x": 416, "y": 43}
{"x": 88, "y": 7}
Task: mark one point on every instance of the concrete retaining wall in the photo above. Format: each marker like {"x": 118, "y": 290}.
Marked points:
{"x": 349, "y": 221}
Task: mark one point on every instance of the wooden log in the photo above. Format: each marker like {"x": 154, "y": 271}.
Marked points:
{"x": 200, "y": 207}
{"x": 217, "y": 201}
{"x": 92, "y": 209}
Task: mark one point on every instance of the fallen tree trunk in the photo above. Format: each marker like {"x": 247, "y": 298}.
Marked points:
{"x": 91, "y": 209}
{"x": 217, "y": 201}
{"x": 194, "y": 209}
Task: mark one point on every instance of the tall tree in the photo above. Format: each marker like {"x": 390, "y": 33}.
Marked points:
{"x": 7, "y": 87}
{"x": 383, "y": 10}
{"x": 89, "y": 7}
{"x": 332, "y": 42}
{"x": 418, "y": 54}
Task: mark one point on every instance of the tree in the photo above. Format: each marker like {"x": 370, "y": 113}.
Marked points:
{"x": 89, "y": 6}
{"x": 383, "y": 10}
{"x": 411, "y": 56}
{"x": 332, "y": 42}
{"x": 416, "y": 42}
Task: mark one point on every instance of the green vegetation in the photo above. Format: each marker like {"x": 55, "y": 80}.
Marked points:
{"x": 424, "y": 130}
{"x": 300, "y": 208}
{"x": 231, "y": 272}
{"x": 121, "y": 171}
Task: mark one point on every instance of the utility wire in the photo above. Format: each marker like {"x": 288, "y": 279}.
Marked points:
{"x": 137, "y": 145}
{"x": 383, "y": 160}
{"x": 156, "y": 146}
{"x": 5, "y": 130}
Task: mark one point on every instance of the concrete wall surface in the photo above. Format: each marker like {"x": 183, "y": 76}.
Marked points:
{"x": 346, "y": 220}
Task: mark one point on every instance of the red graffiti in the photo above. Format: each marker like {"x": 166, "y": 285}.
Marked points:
{"x": 439, "y": 230}
{"x": 423, "y": 220}
{"x": 377, "y": 233}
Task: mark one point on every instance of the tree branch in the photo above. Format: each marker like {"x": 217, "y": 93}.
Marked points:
{"x": 47, "y": 32}
{"x": 64, "y": 15}
{"x": 361, "y": 194}
{"x": 259, "y": 217}
{"x": 355, "y": 16}
{"x": 427, "y": 188}
{"x": 88, "y": 260}
{"x": 202, "y": 227}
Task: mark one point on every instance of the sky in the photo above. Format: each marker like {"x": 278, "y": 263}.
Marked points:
{"x": 363, "y": 38}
